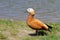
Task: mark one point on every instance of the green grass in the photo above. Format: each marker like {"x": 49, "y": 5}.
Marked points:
{"x": 18, "y": 30}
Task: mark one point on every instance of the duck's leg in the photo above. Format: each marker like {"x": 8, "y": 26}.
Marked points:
{"x": 37, "y": 32}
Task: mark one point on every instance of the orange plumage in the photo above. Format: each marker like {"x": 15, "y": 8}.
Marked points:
{"x": 35, "y": 23}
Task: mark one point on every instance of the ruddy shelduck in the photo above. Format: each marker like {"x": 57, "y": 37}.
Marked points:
{"x": 35, "y": 23}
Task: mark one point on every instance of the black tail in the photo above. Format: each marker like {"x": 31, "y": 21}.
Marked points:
{"x": 50, "y": 27}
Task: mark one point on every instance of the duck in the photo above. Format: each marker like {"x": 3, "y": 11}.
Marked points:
{"x": 34, "y": 23}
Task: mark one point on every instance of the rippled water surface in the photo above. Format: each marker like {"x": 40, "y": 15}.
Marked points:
{"x": 46, "y": 10}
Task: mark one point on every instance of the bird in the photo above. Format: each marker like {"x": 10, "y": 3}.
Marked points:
{"x": 34, "y": 23}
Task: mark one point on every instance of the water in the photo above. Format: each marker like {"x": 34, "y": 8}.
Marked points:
{"x": 46, "y": 10}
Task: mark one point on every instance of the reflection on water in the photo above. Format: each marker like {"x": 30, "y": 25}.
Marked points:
{"x": 46, "y": 10}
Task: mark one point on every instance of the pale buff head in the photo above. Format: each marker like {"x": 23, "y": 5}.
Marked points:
{"x": 31, "y": 11}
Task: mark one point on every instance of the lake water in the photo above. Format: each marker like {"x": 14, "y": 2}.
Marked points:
{"x": 46, "y": 10}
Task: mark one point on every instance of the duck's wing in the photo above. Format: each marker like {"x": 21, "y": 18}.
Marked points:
{"x": 38, "y": 24}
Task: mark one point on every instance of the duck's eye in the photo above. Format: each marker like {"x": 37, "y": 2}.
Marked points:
{"x": 29, "y": 10}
